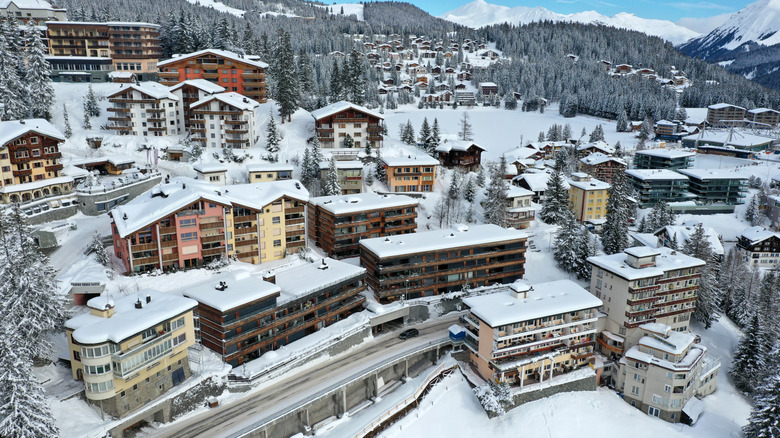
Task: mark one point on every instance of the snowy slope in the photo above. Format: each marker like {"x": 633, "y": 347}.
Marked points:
{"x": 349, "y": 9}
{"x": 221, "y": 7}
{"x": 480, "y": 13}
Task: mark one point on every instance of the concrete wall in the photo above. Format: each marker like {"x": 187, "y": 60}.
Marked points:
{"x": 88, "y": 201}
{"x": 53, "y": 214}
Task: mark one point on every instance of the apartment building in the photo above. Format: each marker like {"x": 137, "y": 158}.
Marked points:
{"x": 264, "y": 172}
{"x": 521, "y": 211}
{"x": 723, "y": 114}
{"x": 654, "y": 186}
{"x": 30, "y": 161}
{"x": 147, "y": 109}
{"x": 333, "y": 123}
{"x": 243, "y": 317}
{"x": 26, "y": 11}
{"x": 642, "y": 285}
{"x": 350, "y": 175}
{"x": 189, "y": 92}
{"x": 188, "y": 223}
{"x": 588, "y": 197}
{"x": 440, "y": 261}
{"x": 130, "y": 350}
{"x": 666, "y": 373}
{"x": 663, "y": 159}
{"x": 763, "y": 118}
{"x": 338, "y": 223}
{"x": 716, "y": 185}
{"x": 759, "y": 247}
{"x": 601, "y": 166}
{"x": 412, "y": 173}
{"x": 234, "y": 72}
{"x": 212, "y": 173}
{"x": 526, "y": 335}
{"x": 225, "y": 120}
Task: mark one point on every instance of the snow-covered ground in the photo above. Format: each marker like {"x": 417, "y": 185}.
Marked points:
{"x": 348, "y": 8}
{"x": 219, "y": 6}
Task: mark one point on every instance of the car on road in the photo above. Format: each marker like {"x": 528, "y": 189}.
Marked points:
{"x": 409, "y": 333}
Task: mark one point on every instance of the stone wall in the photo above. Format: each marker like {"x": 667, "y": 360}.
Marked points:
{"x": 53, "y": 214}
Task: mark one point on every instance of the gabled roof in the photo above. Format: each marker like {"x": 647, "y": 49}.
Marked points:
{"x": 410, "y": 160}
{"x": 537, "y": 182}
{"x": 241, "y": 289}
{"x": 724, "y": 105}
{"x": 757, "y": 234}
{"x": 457, "y": 145}
{"x": 10, "y": 130}
{"x": 29, "y": 4}
{"x": 685, "y": 231}
{"x": 763, "y": 110}
{"x": 201, "y": 84}
{"x": 597, "y": 158}
{"x": 223, "y": 53}
{"x": 268, "y": 167}
{"x": 600, "y": 145}
{"x": 230, "y": 98}
{"x": 152, "y": 89}
{"x": 340, "y": 106}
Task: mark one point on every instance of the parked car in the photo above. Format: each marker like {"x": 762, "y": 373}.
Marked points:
{"x": 409, "y": 333}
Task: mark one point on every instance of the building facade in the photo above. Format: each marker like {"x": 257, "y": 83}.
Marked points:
{"x": 460, "y": 154}
{"x": 723, "y": 114}
{"x": 588, "y": 197}
{"x": 350, "y": 176}
{"x": 189, "y": 92}
{"x": 521, "y": 211}
{"x": 338, "y": 223}
{"x": 131, "y": 350}
{"x": 265, "y": 172}
{"x": 654, "y": 186}
{"x": 337, "y": 121}
{"x": 147, "y": 109}
{"x": 230, "y": 70}
{"x": 225, "y": 120}
{"x": 188, "y": 223}
{"x": 527, "y": 334}
{"x": 759, "y": 247}
{"x": 663, "y": 159}
{"x": 436, "y": 262}
{"x": 25, "y": 12}
{"x": 763, "y": 117}
{"x": 411, "y": 173}
{"x": 716, "y": 186}
{"x": 602, "y": 167}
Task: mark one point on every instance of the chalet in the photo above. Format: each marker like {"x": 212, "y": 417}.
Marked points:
{"x": 602, "y": 167}
{"x": 624, "y": 68}
{"x": 236, "y": 72}
{"x": 521, "y": 210}
{"x": 586, "y": 149}
{"x": 681, "y": 234}
{"x": 535, "y": 182}
{"x": 38, "y": 11}
{"x": 464, "y": 76}
{"x": 147, "y": 109}
{"x": 114, "y": 164}
{"x": 759, "y": 247}
{"x": 338, "y": 223}
{"x": 439, "y": 97}
{"x": 457, "y": 153}
{"x": 336, "y": 121}
{"x": 488, "y": 89}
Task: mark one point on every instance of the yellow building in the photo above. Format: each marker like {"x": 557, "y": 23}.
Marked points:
{"x": 527, "y": 335}
{"x": 131, "y": 350}
{"x": 588, "y": 197}
{"x": 265, "y": 172}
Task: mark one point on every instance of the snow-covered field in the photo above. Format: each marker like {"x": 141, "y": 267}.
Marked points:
{"x": 348, "y": 8}
{"x": 219, "y": 6}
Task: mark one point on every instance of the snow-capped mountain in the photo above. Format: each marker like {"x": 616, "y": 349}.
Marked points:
{"x": 480, "y": 13}
{"x": 748, "y": 43}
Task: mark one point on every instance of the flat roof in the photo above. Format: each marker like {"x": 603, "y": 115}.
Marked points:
{"x": 456, "y": 237}
{"x": 667, "y": 153}
{"x": 209, "y": 168}
{"x": 361, "y": 202}
{"x": 642, "y": 251}
{"x": 410, "y": 160}
{"x": 302, "y": 280}
{"x": 223, "y": 53}
{"x": 655, "y": 174}
{"x": 268, "y": 167}
{"x": 591, "y": 184}
{"x": 667, "y": 260}
{"x": 242, "y": 288}
{"x": 705, "y": 174}
{"x": 543, "y": 299}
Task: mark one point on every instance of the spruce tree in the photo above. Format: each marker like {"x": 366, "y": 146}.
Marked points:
{"x": 764, "y": 419}
{"x": 272, "y": 139}
{"x": 587, "y": 246}
{"x": 68, "y": 129}
{"x": 91, "y": 107}
{"x": 97, "y": 248}
{"x": 481, "y": 177}
{"x": 749, "y": 358}
{"x": 381, "y": 173}
{"x": 336, "y": 83}
{"x": 567, "y": 239}
{"x": 332, "y": 186}
{"x": 286, "y": 91}
{"x": 407, "y": 133}
{"x": 751, "y": 212}
{"x": 435, "y": 140}
{"x": 618, "y": 150}
{"x": 37, "y": 77}
{"x": 622, "y": 122}
{"x": 305, "y": 166}
{"x": 614, "y": 234}
{"x": 87, "y": 123}
{"x": 556, "y": 200}
{"x": 425, "y": 135}
{"x": 597, "y": 134}
{"x": 349, "y": 143}
{"x": 469, "y": 191}
{"x": 496, "y": 196}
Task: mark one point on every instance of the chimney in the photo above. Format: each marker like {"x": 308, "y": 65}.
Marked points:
{"x": 519, "y": 288}
{"x": 124, "y": 216}
{"x": 139, "y": 304}
{"x": 148, "y": 299}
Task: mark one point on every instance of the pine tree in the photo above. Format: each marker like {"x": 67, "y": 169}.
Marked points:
{"x": 37, "y": 76}
{"x": 381, "y": 173}
{"x": 566, "y": 134}
{"x": 556, "y": 200}
{"x": 567, "y": 239}
{"x": 469, "y": 191}
{"x": 354, "y": 83}
{"x": 96, "y": 247}
{"x": 614, "y": 234}
{"x": 618, "y": 150}
{"x": 435, "y": 140}
{"x": 68, "y": 129}
{"x": 749, "y": 357}
{"x": 481, "y": 177}
{"x": 764, "y": 419}
{"x": 425, "y": 135}
{"x": 597, "y": 134}
{"x": 466, "y": 133}
{"x": 305, "y": 72}
{"x": 272, "y": 139}
{"x": 286, "y": 91}
{"x": 91, "y": 107}
{"x": 587, "y": 246}
{"x": 622, "y": 122}
{"x": 87, "y": 123}
{"x": 332, "y": 186}
{"x": 751, "y": 212}
{"x": 349, "y": 143}
{"x": 407, "y": 133}
{"x": 336, "y": 83}
{"x": 674, "y": 244}
{"x": 305, "y": 166}
{"x": 643, "y": 227}
{"x": 496, "y": 196}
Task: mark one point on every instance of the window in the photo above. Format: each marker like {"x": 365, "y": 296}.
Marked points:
{"x": 637, "y": 377}
{"x": 276, "y": 220}
{"x": 180, "y": 339}
{"x": 148, "y": 333}
{"x": 186, "y": 223}
{"x": 667, "y": 388}
{"x": 188, "y": 236}
{"x": 277, "y": 243}
{"x": 656, "y": 399}
{"x": 635, "y": 390}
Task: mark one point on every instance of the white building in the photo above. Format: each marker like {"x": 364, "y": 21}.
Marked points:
{"x": 226, "y": 120}
{"x": 189, "y": 92}
{"x": 26, "y": 11}
{"x": 759, "y": 247}
{"x": 147, "y": 109}
{"x": 213, "y": 173}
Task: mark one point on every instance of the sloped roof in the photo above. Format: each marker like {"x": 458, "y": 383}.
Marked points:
{"x": 340, "y": 106}
{"x": 230, "y": 98}
{"x": 223, "y": 53}
{"x": 457, "y": 145}
{"x": 153, "y": 89}
{"x": 202, "y": 84}
{"x": 10, "y": 130}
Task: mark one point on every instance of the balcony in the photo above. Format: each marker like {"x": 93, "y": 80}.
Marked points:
{"x": 22, "y": 172}
{"x": 214, "y": 238}
{"x": 168, "y": 74}
{"x": 158, "y": 128}
{"x": 119, "y": 119}
{"x": 118, "y": 110}
{"x": 121, "y": 358}
{"x": 130, "y": 100}
{"x": 211, "y": 225}
{"x": 253, "y": 75}
{"x": 210, "y": 75}
{"x": 214, "y": 251}
{"x": 53, "y": 167}
{"x": 236, "y": 131}
{"x": 171, "y": 257}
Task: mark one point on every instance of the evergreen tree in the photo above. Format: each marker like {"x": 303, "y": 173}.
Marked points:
{"x": 407, "y": 133}
{"x": 566, "y": 134}
{"x": 425, "y": 135}
{"x": 749, "y": 357}
{"x": 336, "y": 83}
{"x": 305, "y": 72}
{"x": 435, "y": 140}
{"x": 614, "y": 234}
{"x": 587, "y": 246}
{"x": 674, "y": 244}
{"x": 566, "y": 240}
{"x": 369, "y": 179}
{"x": 618, "y": 150}
{"x": 643, "y": 227}
{"x": 510, "y": 102}
{"x": 96, "y": 247}
{"x": 37, "y": 77}
{"x": 91, "y": 107}
{"x": 751, "y": 212}
{"x": 68, "y": 129}
{"x": 305, "y": 166}
{"x": 481, "y": 177}
{"x": 556, "y": 200}
{"x": 597, "y": 134}
{"x": 87, "y": 123}
{"x": 469, "y": 191}
{"x": 332, "y": 186}
{"x": 381, "y": 173}
{"x": 465, "y": 133}
{"x": 354, "y": 83}
{"x": 765, "y": 416}
{"x": 286, "y": 91}
{"x": 349, "y": 143}
{"x": 272, "y": 139}
{"x": 622, "y": 122}
{"x": 496, "y": 196}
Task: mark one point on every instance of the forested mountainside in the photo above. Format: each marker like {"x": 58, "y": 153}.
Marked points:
{"x": 536, "y": 63}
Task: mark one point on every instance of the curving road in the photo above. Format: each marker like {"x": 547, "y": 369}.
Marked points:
{"x": 301, "y": 384}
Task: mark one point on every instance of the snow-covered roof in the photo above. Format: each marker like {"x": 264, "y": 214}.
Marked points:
{"x": 543, "y": 299}
{"x": 181, "y": 192}
{"x": 15, "y": 188}
{"x": 130, "y": 23}
{"x": 757, "y": 234}
{"x": 89, "y": 272}
{"x": 241, "y": 289}
{"x": 724, "y": 105}
{"x": 268, "y": 167}
{"x": 762, "y": 110}
{"x": 152, "y": 89}
{"x": 458, "y": 236}
{"x": 646, "y": 239}
{"x": 210, "y": 168}
{"x": 77, "y": 58}
{"x": 488, "y": 84}
{"x": 115, "y": 159}
{"x": 706, "y": 174}
{"x": 340, "y": 106}
{"x": 201, "y": 84}
{"x": 642, "y": 251}
{"x": 600, "y": 158}
{"x": 223, "y": 53}
{"x": 685, "y": 231}
{"x": 127, "y": 320}
{"x": 693, "y": 408}
{"x": 342, "y": 204}
{"x": 28, "y": 4}
{"x": 10, "y": 130}
{"x": 410, "y": 160}
{"x": 538, "y": 181}
{"x": 343, "y": 165}
{"x": 513, "y": 191}
{"x": 590, "y": 184}
{"x": 673, "y": 343}
{"x": 655, "y": 174}
{"x": 667, "y": 153}
{"x": 667, "y": 260}
{"x": 665, "y": 123}
{"x": 230, "y": 98}
{"x": 740, "y": 139}
{"x": 121, "y": 75}
{"x": 303, "y": 280}
{"x": 457, "y": 145}
{"x": 600, "y": 145}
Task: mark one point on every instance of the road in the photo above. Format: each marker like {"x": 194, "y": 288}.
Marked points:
{"x": 300, "y": 384}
